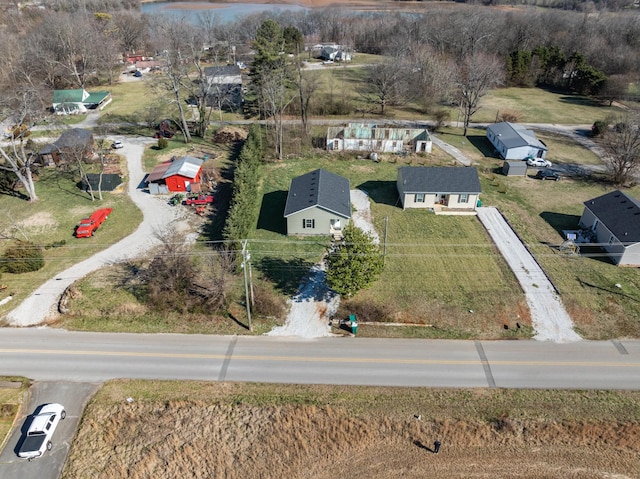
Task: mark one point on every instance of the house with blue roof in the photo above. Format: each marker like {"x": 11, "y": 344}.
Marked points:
{"x": 318, "y": 203}
{"x": 515, "y": 142}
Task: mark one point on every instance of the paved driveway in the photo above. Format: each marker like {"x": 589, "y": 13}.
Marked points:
{"x": 548, "y": 315}
{"x": 73, "y": 396}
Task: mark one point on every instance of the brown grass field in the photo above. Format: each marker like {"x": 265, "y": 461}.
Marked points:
{"x": 226, "y": 430}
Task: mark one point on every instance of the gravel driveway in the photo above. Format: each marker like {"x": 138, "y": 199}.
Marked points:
{"x": 42, "y": 303}
{"x": 548, "y": 315}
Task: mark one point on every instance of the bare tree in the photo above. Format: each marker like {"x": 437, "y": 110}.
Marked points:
{"x": 475, "y": 76}
{"x": 23, "y": 110}
{"x": 307, "y": 87}
{"x": 385, "y": 85}
{"x": 622, "y": 144}
{"x": 131, "y": 31}
{"x": 276, "y": 97}
{"x": 175, "y": 73}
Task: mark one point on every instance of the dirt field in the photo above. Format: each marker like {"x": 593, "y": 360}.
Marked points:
{"x": 269, "y": 431}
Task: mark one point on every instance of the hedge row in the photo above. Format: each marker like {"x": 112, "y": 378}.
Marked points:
{"x": 243, "y": 211}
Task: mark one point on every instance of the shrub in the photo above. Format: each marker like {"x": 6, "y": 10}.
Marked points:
{"x": 22, "y": 257}
{"x": 598, "y": 128}
{"x": 162, "y": 143}
{"x": 441, "y": 117}
{"x": 511, "y": 116}
{"x": 267, "y": 303}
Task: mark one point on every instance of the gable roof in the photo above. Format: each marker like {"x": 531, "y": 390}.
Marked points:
{"x": 187, "y": 166}
{"x": 69, "y": 96}
{"x": 74, "y": 137}
{"x": 322, "y": 189}
{"x": 438, "y": 179}
{"x": 158, "y": 172}
{"x": 513, "y": 136}
{"x": 228, "y": 74}
{"x": 620, "y": 213}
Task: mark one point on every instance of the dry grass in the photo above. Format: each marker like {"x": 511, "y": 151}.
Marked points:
{"x": 263, "y": 431}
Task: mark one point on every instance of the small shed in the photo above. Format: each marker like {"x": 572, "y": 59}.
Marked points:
{"x": 514, "y": 168}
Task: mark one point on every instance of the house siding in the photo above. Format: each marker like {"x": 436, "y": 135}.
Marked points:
{"x": 322, "y": 222}
{"x": 357, "y": 137}
{"x": 620, "y": 254}
{"x": 515, "y": 152}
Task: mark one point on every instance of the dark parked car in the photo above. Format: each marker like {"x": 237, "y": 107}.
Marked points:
{"x": 547, "y": 175}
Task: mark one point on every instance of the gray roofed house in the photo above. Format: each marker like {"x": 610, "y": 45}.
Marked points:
{"x": 442, "y": 189}
{"x": 614, "y": 220}
{"x": 515, "y": 142}
{"x": 318, "y": 203}
{"x": 71, "y": 143}
{"x": 225, "y": 87}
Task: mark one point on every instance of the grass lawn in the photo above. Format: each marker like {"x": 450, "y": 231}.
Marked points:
{"x": 535, "y": 105}
{"x": 539, "y": 211}
{"x": 52, "y": 219}
{"x": 12, "y": 395}
{"x": 437, "y": 268}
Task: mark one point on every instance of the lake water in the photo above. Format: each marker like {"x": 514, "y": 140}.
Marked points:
{"x": 225, "y": 11}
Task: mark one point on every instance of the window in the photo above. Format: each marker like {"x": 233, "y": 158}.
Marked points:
{"x": 335, "y": 144}
{"x": 464, "y": 198}
{"x": 308, "y": 224}
{"x": 360, "y": 143}
{"x": 419, "y": 198}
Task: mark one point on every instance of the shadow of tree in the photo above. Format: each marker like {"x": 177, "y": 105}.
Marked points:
{"x": 284, "y": 274}
{"x": 271, "y": 212}
{"x": 383, "y": 192}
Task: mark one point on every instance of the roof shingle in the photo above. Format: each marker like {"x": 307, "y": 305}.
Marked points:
{"x": 322, "y": 189}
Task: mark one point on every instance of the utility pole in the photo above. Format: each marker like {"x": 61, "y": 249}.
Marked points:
{"x": 384, "y": 244}
{"x": 245, "y": 258}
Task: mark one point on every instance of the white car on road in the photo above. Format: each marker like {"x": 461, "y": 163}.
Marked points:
{"x": 539, "y": 162}
{"x": 41, "y": 429}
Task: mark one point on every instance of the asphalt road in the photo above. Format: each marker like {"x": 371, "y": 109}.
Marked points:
{"x": 73, "y": 396}
{"x": 49, "y": 355}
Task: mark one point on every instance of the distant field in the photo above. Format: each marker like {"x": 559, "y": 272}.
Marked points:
{"x": 273, "y": 431}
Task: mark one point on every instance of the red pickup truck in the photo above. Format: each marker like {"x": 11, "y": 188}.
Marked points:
{"x": 88, "y": 226}
{"x": 199, "y": 200}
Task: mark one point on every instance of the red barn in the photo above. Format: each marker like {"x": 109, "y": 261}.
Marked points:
{"x": 178, "y": 175}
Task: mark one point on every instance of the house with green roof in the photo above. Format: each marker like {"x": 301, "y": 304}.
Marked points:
{"x": 67, "y": 102}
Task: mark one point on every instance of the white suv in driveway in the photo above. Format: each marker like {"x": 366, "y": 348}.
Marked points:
{"x": 41, "y": 429}
{"x": 539, "y": 162}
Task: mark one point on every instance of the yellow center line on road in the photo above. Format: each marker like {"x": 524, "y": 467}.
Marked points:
{"x": 443, "y": 362}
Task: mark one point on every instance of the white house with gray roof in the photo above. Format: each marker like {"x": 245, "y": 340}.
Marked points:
{"x": 318, "y": 203}
{"x": 515, "y": 142}
{"x": 614, "y": 220}
{"x": 441, "y": 189}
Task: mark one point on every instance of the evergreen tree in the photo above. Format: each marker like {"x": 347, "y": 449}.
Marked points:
{"x": 353, "y": 263}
